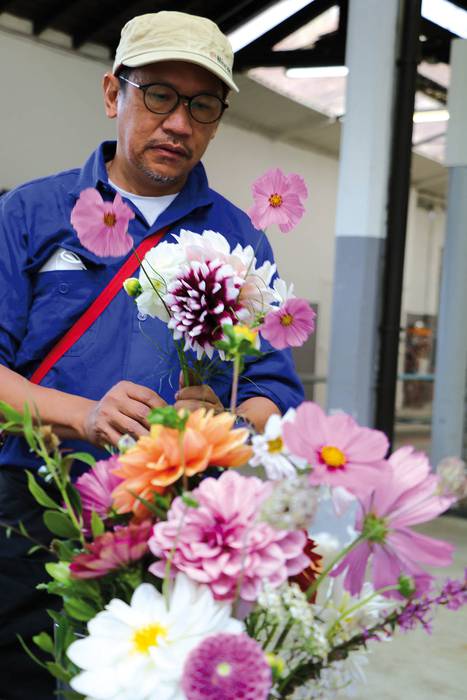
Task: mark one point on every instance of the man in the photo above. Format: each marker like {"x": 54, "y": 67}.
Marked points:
{"x": 167, "y": 91}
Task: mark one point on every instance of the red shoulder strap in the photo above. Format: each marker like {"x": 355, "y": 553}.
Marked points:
{"x": 80, "y": 326}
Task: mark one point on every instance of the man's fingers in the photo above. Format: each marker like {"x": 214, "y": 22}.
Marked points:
{"x": 197, "y": 393}
{"x": 142, "y": 394}
{"x": 126, "y": 425}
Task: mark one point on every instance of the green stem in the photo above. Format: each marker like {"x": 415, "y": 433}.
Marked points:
{"x": 183, "y": 365}
{"x": 235, "y": 378}
{"x": 314, "y": 586}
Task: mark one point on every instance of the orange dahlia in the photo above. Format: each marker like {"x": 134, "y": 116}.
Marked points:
{"x": 162, "y": 457}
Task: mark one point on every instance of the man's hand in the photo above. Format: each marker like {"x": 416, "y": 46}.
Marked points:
{"x": 123, "y": 409}
{"x": 197, "y": 396}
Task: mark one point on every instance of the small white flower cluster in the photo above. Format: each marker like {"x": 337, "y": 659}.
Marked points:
{"x": 452, "y": 475}
{"x": 270, "y": 451}
{"x": 292, "y": 505}
{"x": 288, "y": 605}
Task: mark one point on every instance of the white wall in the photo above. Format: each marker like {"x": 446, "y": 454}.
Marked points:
{"x": 52, "y": 117}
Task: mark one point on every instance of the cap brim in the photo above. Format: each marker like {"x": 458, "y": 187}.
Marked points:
{"x": 143, "y": 59}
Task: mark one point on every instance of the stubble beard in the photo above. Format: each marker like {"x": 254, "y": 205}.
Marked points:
{"x": 156, "y": 177}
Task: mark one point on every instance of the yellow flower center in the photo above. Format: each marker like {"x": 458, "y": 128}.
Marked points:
{"x": 147, "y": 637}
{"x": 275, "y": 445}
{"x": 333, "y": 457}
{"x": 275, "y": 200}
{"x": 286, "y": 320}
{"x": 224, "y": 669}
{"x": 110, "y": 219}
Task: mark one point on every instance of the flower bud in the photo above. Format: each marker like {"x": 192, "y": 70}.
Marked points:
{"x": 277, "y": 665}
{"x": 407, "y": 585}
{"x": 132, "y": 287}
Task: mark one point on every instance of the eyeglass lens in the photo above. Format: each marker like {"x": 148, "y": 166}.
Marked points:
{"x": 162, "y": 99}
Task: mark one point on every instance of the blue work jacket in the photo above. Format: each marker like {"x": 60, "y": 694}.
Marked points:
{"x": 37, "y": 308}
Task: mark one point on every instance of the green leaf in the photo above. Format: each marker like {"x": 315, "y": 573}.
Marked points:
{"x": 97, "y": 524}
{"x": 64, "y": 550}
{"x": 58, "y": 571}
{"x": 60, "y": 524}
{"x": 39, "y": 494}
{"x": 28, "y": 429}
{"x": 74, "y": 498}
{"x": 29, "y": 652}
{"x": 79, "y": 609}
{"x": 58, "y": 671}
{"x": 34, "y": 548}
{"x": 189, "y": 501}
{"x": 83, "y": 457}
{"x": 10, "y": 413}
{"x": 44, "y": 641}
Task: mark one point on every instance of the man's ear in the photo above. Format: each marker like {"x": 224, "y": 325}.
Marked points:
{"x": 111, "y": 88}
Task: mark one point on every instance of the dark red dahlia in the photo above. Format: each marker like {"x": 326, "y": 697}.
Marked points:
{"x": 204, "y": 297}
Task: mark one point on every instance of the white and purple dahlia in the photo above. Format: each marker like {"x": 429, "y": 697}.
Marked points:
{"x": 201, "y": 300}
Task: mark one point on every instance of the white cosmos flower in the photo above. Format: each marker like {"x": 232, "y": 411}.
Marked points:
{"x": 281, "y": 292}
{"x": 269, "y": 450}
{"x": 138, "y": 651}
{"x": 159, "y": 268}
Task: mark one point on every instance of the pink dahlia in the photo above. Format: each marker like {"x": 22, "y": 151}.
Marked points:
{"x": 95, "y": 488}
{"x": 112, "y": 550}
{"x": 278, "y": 200}
{"x": 227, "y": 667}
{"x": 204, "y": 297}
{"x": 102, "y": 227}
{"x": 290, "y": 325}
{"x": 405, "y": 494}
{"x": 223, "y": 544}
{"x": 340, "y": 452}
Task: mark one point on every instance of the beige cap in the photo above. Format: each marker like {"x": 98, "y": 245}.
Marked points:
{"x": 175, "y": 36}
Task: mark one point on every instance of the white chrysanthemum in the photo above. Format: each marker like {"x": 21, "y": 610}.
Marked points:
{"x": 159, "y": 268}
{"x": 137, "y": 651}
{"x": 270, "y": 451}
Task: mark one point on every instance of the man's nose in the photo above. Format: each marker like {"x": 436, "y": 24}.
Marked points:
{"x": 179, "y": 121}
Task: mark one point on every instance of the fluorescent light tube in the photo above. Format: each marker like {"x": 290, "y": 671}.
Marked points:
{"x": 431, "y": 115}
{"x": 266, "y": 20}
{"x": 447, "y": 15}
{"x": 318, "y": 72}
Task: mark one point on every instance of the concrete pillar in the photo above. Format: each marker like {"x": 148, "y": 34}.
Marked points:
{"x": 361, "y": 206}
{"x": 451, "y": 346}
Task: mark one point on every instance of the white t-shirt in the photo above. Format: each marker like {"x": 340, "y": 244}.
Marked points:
{"x": 150, "y": 207}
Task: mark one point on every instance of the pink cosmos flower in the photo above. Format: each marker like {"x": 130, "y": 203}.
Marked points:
{"x": 221, "y": 542}
{"x": 102, "y": 227}
{"x": 112, "y": 550}
{"x": 290, "y": 325}
{"x": 406, "y": 494}
{"x": 278, "y": 200}
{"x": 95, "y": 488}
{"x": 340, "y": 452}
{"x": 227, "y": 667}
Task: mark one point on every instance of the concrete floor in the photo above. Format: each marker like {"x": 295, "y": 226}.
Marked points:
{"x": 415, "y": 665}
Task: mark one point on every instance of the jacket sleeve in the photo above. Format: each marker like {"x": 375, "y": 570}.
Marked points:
{"x": 15, "y": 283}
{"x": 272, "y": 375}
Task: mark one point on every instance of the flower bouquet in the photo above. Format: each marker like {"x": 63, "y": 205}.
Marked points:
{"x": 183, "y": 576}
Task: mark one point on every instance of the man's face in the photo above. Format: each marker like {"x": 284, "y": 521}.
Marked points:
{"x": 156, "y": 152}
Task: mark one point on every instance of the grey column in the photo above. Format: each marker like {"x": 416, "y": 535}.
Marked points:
{"x": 451, "y": 346}
{"x": 361, "y": 206}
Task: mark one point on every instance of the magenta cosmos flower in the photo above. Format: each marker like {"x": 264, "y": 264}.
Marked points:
{"x": 290, "y": 325}
{"x": 112, "y": 550}
{"x": 407, "y": 493}
{"x": 278, "y": 200}
{"x": 102, "y": 227}
{"x": 95, "y": 488}
{"x": 227, "y": 667}
{"x": 221, "y": 542}
{"x": 340, "y": 452}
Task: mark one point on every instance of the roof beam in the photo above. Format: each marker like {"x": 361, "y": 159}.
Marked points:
{"x": 299, "y": 58}
{"x": 44, "y": 21}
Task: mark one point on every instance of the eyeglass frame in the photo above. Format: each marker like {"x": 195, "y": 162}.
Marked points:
{"x": 186, "y": 99}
